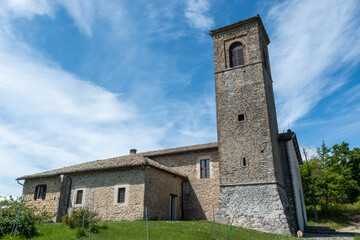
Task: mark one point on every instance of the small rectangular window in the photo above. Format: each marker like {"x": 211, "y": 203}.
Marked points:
{"x": 79, "y": 196}
{"x": 205, "y": 168}
{"x": 241, "y": 117}
{"x": 40, "y": 192}
{"x": 121, "y": 195}
{"x": 244, "y": 162}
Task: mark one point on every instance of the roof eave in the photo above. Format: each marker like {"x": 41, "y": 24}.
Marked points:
{"x": 240, "y": 23}
{"x": 99, "y": 169}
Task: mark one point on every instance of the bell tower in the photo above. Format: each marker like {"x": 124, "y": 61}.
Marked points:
{"x": 251, "y": 183}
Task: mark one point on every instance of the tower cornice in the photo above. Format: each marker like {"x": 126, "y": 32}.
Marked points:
{"x": 256, "y": 18}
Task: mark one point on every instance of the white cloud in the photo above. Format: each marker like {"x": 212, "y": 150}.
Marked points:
{"x": 50, "y": 118}
{"x": 312, "y": 40}
{"x": 25, "y": 8}
{"x": 83, "y": 13}
{"x": 196, "y": 13}
{"x": 311, "y": 152}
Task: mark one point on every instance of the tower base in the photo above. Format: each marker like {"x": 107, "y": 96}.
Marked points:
{"x": 255, "y": 206}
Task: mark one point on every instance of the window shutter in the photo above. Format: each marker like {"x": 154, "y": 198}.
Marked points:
{"x": 236, "y": 55}
{"x": 35, "y": 194}
{"x": 121, "y": 195}
{"x": 79, "y": 196}
{"x": 44, "y": 192}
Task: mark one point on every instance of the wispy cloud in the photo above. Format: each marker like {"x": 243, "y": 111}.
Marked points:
{"x": 52, "y": 118}
{"x": 83, "y": 13}
{"x": 25, "y": 8}
{"x": 311, "y": 42}
{"x": 197, "y": 14}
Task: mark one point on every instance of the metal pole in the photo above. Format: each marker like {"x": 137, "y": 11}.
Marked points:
{"x": 16, "y": 219}
{"x": 230, "y": 227}
{"x": 83, "y": 221}
{"x": 106, "y": 213}
{"x": 214, "y": 224}
{"x": 147, "y": 225}
{"x": 90, "y": 222}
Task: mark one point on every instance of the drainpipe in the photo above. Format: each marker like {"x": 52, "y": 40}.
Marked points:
{"x": 67, "y": 204}
{"x": 22, "y": 184}
{"x": 182, "y": 199}
{"x": 19, "y": 182}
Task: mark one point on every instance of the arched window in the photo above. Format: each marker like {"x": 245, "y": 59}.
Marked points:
{"x": 236, "y": 55}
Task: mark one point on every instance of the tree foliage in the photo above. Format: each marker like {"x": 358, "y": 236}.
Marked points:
{"x": 9, "y": 210}
{"x": 334, "y": 176}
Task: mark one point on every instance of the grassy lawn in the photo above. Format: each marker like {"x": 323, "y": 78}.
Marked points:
{"x": 196, "y": 230}
{"x": 332, "y": 222}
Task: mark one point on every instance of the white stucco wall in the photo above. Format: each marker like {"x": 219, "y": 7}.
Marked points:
{"x": 297, "y": 186}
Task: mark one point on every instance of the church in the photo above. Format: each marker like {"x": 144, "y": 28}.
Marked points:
{"x": 249, "y": 177}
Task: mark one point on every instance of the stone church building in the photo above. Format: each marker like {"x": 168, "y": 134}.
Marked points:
{"x": 250, "y": 175}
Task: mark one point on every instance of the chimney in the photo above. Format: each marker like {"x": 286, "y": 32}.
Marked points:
{"x": 133, "y": 151}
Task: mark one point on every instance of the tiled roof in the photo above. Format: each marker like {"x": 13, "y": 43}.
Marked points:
{"x": 242, "y": 22}
{"x": 191, "y": 148}
{"x": 132, "y": 160}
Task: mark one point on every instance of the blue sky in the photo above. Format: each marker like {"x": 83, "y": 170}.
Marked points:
{"x": 87, "y": 80}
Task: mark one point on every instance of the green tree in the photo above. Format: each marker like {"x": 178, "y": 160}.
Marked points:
{"x": 332, "y": 177}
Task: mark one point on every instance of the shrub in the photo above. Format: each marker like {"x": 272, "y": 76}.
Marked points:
{"x": 8, "y": 213}
{"x": 44, "y": 216}
{"x": 80, "y": 233}
{"x": 75, "y": 219}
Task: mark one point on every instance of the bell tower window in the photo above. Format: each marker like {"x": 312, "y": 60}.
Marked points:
{"x": 236, "y": 55}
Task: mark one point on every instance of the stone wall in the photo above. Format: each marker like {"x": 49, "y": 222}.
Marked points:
{"x": 289, "y": 193}
{"x": 297, "y": 187}
{"x": 241, "y": 90}
{"x": 51, "y": 201}
{"x": 254, "y": 193}
{"x": 256, "y": 207}
{"x": 159, "y": 186}
{"x": 100, "y": 190}
{"x": 203, "y": 193}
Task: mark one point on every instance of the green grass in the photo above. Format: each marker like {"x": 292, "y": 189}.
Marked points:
{"x": 189, "y": 230}
{"x": 337, "y": 217}
{"x": 334, "y": 223}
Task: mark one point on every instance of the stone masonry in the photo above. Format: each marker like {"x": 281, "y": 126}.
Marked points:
{"x": 159, "y": 188}
{"x": 203, "y": 194}
{"x": 254, "y": 192}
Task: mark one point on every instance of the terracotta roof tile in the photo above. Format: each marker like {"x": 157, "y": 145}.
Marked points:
{"x": 132, "y": 160}
{"x": 191, "y": 148}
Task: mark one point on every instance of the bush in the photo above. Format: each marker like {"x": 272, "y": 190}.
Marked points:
{"x": 80, "y": 233}
{"x": 44, "y": 216}
{"x": 75, "y": 219}
{"x": 8, "y": 213}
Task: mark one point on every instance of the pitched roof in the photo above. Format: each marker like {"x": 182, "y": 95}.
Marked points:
{"x": 132, "y": 160}
{"x": 168, "y": 151}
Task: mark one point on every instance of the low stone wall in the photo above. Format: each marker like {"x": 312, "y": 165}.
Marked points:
{"x": 256, "y": 207}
